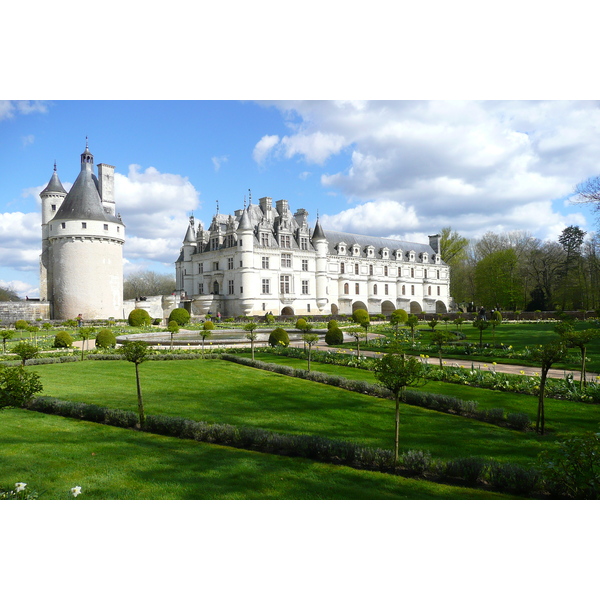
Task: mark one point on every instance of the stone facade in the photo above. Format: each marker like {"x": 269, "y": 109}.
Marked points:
{"x": 266, "y": 259}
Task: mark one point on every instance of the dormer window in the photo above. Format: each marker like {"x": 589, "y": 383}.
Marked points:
{"x": 385, "y": 253}
{"x": 370, "y": 251}
{"x": 425, "y": 257}
{"x": 436, "y": 258}
{"x": 356, "y": 250}
{"x": 53, "y": 207}
{"x": 341, "y": 248}
{"x": 399, "y": 254}
{"x": 411, "y": 256}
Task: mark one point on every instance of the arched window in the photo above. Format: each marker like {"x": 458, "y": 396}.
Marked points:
{"x": 412, "y": 272}
{"x": 370, "y": 269}
{"x": 429, "y": 290}
{"x": 385, "y": 271}
{"x": 216, "y": 288}
{"x": 356, "y": 269}
{"x": 375, "y": 290}
{"x": 346, "y": 288}
{"x": 403, "y": 290}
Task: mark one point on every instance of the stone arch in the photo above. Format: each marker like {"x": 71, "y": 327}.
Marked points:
{"x": 334, "y": 309}
{"x": 415, "y": 308}
{"x": 358, "y": 304}
{"x": 387, "y": 307}
{"x": 440, "y": 307}
{"x": 287, "y": 311}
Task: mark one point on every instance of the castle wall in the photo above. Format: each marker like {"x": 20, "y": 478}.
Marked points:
{"x": 29, "y": 311}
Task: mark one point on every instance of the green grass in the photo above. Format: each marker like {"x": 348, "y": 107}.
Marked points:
{"x": 219, "y": 391}
{"x": 52, "y": 454}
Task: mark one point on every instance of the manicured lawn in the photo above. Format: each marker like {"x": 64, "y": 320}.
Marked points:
{"x": 53, "y": 454}
{"x": 219, "y": 391}
{"x": 562, "y": 416}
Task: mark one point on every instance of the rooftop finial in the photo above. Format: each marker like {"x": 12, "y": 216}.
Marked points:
{"x": 55, "y": 165}
{"x": 249, "y": 197}
{"x": 244, "y": 201}
{"x": 217, "y": 207}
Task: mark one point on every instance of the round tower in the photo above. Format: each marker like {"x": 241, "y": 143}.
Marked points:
{"x": 85, "y": 251}
{"x": 319, "y": 241}
{"x": 245, "y": 248}
{"x": 52, "y": 198}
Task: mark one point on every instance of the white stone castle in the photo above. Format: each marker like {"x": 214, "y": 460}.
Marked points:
{"x": 81, "y": 265}
{"x": 266, "y": 259}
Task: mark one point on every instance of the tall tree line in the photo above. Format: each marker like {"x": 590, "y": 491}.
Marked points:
{"x": 516, "y": 271}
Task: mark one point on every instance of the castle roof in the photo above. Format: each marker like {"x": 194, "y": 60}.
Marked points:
{"x": 83, "y": 200}
{"x": 54, "y": 185}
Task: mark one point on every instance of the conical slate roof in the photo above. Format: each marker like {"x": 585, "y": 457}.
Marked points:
{"x": 189, "y": 236}
{"x": 245, "y": 222}
{"x": 54, "y": 185}
{"x": 83, "y": 200}
{"x": 318, "y": 233}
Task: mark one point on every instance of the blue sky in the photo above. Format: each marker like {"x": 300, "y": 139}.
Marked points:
{"x": 390, "y": 168}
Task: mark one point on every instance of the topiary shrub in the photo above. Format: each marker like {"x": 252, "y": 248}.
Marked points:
{"x": 63, "y": 340}
{"x": 208, "y": 325}
{"x": 333, "y": 324}
{"x": 106, "y": 339}
{"x": 279, "y": 337}
{"x": 180, "y": 315}
{"x": 21, "y": 324}
{"x": 360, "y": 316}
{"x": 334, "y": 336}
{"x": 301, "y": 324}
{"x": 139, "y": 317}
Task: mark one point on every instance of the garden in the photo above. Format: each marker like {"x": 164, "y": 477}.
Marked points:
{"x": 293, "y": 422}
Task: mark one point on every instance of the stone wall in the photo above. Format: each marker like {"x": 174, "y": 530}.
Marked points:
{"x": 27, "y": 310}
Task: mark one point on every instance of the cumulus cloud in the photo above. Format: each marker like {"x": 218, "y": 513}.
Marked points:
{"x": 264, "y": 147}
{"x": 217, "y": 161}
{"x": 11, "y": 108}
{"x": 27, "y": 140}
{"x": 466, "y": 164}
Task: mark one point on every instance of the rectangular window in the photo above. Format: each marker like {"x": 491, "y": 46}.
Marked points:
{"x": 438, "y": 291}
{"x": 264, "y": 306}
{"x": 305, "y": 264}
{"x": 303, "y": 243}
{"x": 264, "y": 239}
{"x": 201, "y": 288}
{"x": 241, "y": 242}
{"x": 285, "y": 241}
{"x": 286, "y": 261}
{"x": 200, "y": 267}
{"x": 357, "y": 288}
{"x": 84, "y": 226}
{"x": 284, "y": 284}
{"x": 54, "y": 207}
{"x": 342, "y": 268}
{"x": 308, "y": 308}
{"x": 385, "y": 271}
{"x": 105, "y": 227}
{"x": 230, "y": 287}
{"x": 214, "y": 244}
{"x": 230, "y": 263}
{"x": 266, "y": 286}
{"x": 305, "y": 286}
{"x": 64, "y": 225}
{"x": 265, "y": 262}
{"x": 412, "y": 290}
{"x": 356, "y": 269}
{"x": 387, "y": 289}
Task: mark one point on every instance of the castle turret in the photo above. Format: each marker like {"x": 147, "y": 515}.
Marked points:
{"x": 319, "y": 241}
{"x": 52, "y": 197}
{"x": 245, "y": 236}
{"x": 85, "y": 273}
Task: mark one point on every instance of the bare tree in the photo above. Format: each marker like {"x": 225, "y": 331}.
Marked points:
{"x": 147, "y": 283}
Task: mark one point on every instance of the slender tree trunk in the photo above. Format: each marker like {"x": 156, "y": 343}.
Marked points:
{"x": 539, "y": 426}
{"x": 252, "y": 348}
{"x": 397, "y": 430}
{"x": 582, "y": 382}
{"x": 139, "y": 395}
{"x": 309, "y": 359}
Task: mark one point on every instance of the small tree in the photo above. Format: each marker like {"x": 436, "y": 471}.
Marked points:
{"x": 433, "y": 324}
{"x": 481, "y": 325}
{"x": 6, "y": 334}
{"x": 459, "y": 321}
{"x": 33, "y": 331}
{"x": 310, "y": 339}
{"x": 397, "y": 319}
{"x": 205, "y": 334}
{"x": 546, "y": 355}
{"x": 395, "y": 371}
{"x": 334, "y": 336}
{"x": 25, "y": 351}
{"x": 21, "y": 325}
{"x": 357, "y": 333}
{"x": 137, "y": 353}
{"x": 173, "y": 328}
{"x": 438, "y": 338}
{"x": 412, "y": 321}
{"x": 208, "y": 325}
{"x": 251, "y": 335}
{"x": 361, "y": 317}
{"x": 85, "y": 333}
{"x": 577, "y": 339}
{"x": 494, "y": 322}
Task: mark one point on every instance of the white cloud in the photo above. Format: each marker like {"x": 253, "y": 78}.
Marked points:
{"x": 11, "y": 108}
{"x": 217, "y": 161}
{"x": 264, "y": 147}
{"x": 27, "y": 140}
{"x": 21, "y": 288}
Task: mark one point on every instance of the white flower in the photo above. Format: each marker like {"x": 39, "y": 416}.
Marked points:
{"x": 76, "y": 490}
{"x": 20, "y": 487}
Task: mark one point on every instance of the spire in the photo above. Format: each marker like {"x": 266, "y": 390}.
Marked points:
{"x": 245, "y": 222}
{"x": 54, "y": 185}
{"x": 87, "y": 158}
{"x": 318, "y": 233}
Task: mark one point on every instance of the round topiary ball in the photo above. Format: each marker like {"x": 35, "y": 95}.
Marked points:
{"x": 180, "y": 315}
{"x": 334, "y": 336}
{"x": 360, "y": 316}
{"x": 21, "y": 324}
{"x": 333, "y": 324}
{"x": 279, "y": 337}
{"x": 63, "y": 340}
{"x": 208, "y": 325}
{"x": 139, "y": 317}
{"x": 301, "y": 324}
{"x": 106, "y": 339}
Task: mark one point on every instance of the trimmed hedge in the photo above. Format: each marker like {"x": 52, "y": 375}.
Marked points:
{"x": 106, "y": 339}
{"x": 139, "y": 317}
{"x": 279, "y": 337}
{"x": 334, "y": 336}
{"x": 63, "y": 340}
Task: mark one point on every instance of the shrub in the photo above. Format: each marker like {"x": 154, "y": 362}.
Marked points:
{"x": 333, "y": 324}
{"x": 180, "y": 315}
{"x": 416, "y": 461}
{"x": 208, "y": 326}
{"x": 360, "y": 316}
{"x": 17, "y": 386}
{"x": 511, "y": 478}
{"x": 518, "y": 421}
{"x": 106, "y": 339}
{"x": 468, "y": 468}
{"x": 139, "y": 317}
{"x": 21, "y": 324}
{"x": 301, "y": 324}
{"x": 334, "y": 336}
{"x": 25, "y": 351}
{"x": 279, "y": 337}
{"x": 63, "y": 340}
